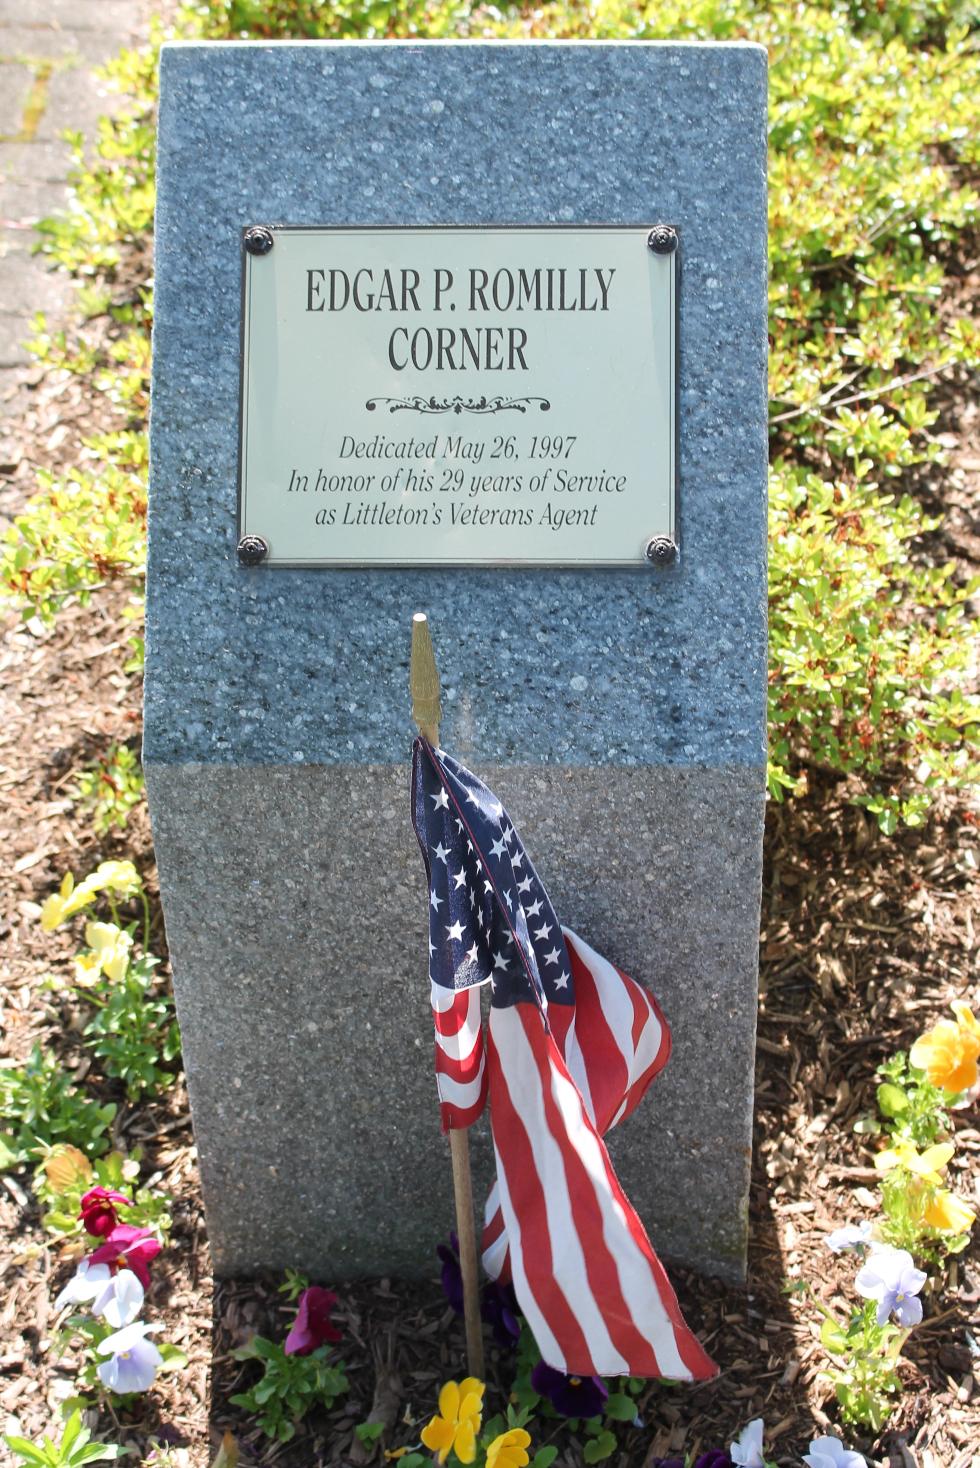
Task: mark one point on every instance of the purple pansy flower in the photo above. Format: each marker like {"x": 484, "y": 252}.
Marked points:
{"x": 830, "y": 1452}
{"x": 852, "y": 1236}
{"x": 500, "y": 1310}
{"x": 572, "y": 1396}
{"x": 134, "y": 1361}
{"x": 891, "y": 1278}
{"x": 452, "y": 1274}
{"x": 713, "y": 1458}
{"x": 498, "y": 1303}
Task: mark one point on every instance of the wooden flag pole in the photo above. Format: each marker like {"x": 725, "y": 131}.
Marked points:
{"x": 427, "y": 711}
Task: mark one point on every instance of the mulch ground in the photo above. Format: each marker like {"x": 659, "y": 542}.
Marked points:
{"x": 865, "y": 940}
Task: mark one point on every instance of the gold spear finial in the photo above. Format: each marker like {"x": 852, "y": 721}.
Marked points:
{"x": 423, "y": 680}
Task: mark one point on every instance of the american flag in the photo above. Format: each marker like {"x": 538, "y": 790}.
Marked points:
{"x": 572, "y": 1045}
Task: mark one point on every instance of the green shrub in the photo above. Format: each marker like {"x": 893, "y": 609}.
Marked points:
{"x": 110, "y": 787}
{"x": 289, "y": 1386}
{"x": 133, "y": 1032}
{"x": 41, "y": 1107}
{"x": 874, "y": 126}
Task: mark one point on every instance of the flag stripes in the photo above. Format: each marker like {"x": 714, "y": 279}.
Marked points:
{"x": 608, "y": 1308}
{"x": 461, "y": 1077}
{"x": 572, "y": 1044}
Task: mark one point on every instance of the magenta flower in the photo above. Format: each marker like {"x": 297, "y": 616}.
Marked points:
{"x": 128, "y": 1248}
{"x": 97, "y": 1213}
{"x": 312, "y": 1326}
{"x": 571, "y": 1396}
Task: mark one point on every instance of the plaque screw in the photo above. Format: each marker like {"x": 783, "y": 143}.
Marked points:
{"x": 252, "y": 549}
{"x": 662, "y": 239}
{"x": 259, "y": 240}
{"x": 661, "y": 551}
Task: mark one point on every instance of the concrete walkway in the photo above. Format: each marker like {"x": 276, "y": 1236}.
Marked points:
{"x": 48, "y": 52}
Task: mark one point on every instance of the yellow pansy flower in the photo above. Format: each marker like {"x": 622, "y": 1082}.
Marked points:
{"x": 110, "y": 946}
{"x": 53, "y": 908}
{"x": 509, "y": 1450}
{"x": 948, "y": 1053}
{"x": 966, "y": 1019}
{"x": 458, "y": 1422}
{"x": 928, "y": 1164}
{"x": 120, "y": 877}
{"x": 947, "y": 1212}
{"x": 64, "y": 903}
{"x": 88, "y": 967}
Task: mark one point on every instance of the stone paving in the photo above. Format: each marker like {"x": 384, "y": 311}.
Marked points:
{"x": 48, "y": 55}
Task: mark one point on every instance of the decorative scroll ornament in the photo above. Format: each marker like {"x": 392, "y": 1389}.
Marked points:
{"x": 457, "y": 404}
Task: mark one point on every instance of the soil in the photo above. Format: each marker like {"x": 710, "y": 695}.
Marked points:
{"x": 864, "y": 942}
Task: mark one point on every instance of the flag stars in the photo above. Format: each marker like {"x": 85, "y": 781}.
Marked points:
{"x": 499, "y": 961}
{"x": 524, "y": 886}
{"x": 441, "y": 800}
{"x": 442, "y": 852}
{"x": 518, "y": 858}
{"x": 534, "y": 910}
{"x": 553, "y": 956}
{"x": 459, "y": 879}
{"x": 472, "y": 954}
{"x": 498, "y": 849}
{"x": 435, "y": 902}
{"x": 543, "y": 933}
{"x": 562, "y": 981}
{"x": 455, "y": 931}
{"x": 509, "y": 899}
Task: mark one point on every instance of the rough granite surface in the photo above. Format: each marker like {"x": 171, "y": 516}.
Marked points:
{"x": 622, "y": 714}
{"x": 300, "y": 966}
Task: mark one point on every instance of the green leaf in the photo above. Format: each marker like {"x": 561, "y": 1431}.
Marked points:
{"x": 368, "y": 1432}
{"x": 74, "y": 1433}
{"x": 620, "y": 1407}
{"x": 544, "y": 1457}
{"x": 28, "y": 1451}
{"x": 98, "y": 1453}
{"x": 599, "y": 1448}
{"x": 892, "y": 1100}
{"x": 174, "y": 1359}
{"x": 832, "y": 1338}
{"x": 8, "y": 1156}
